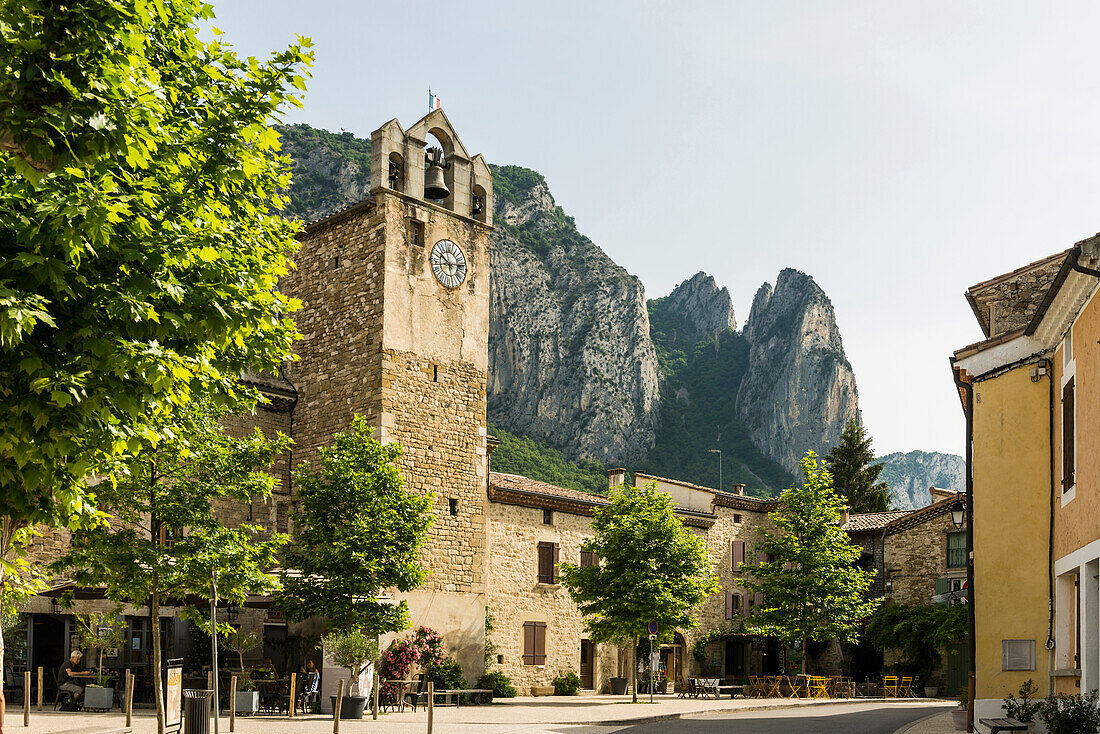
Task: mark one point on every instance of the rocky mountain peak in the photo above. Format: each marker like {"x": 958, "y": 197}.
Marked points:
{"x": 701, "y": 308}
{"x": 796, "y": 358}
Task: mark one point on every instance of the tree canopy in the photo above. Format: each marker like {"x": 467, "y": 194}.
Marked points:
{"x": 140, "y": 239}
{"x": 855, "y": 475}
{"x": 811, "y": 589}
{"x": 651, "y": 568}
{"x": 358, "y": 532}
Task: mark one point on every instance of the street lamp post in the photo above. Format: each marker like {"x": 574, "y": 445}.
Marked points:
{"x": 719, "y": 452}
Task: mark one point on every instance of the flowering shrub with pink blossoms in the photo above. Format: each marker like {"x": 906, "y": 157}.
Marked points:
{"x": 423, "y": 647}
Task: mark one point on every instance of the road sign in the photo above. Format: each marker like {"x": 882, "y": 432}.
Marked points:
{"x": 652, "y": 628}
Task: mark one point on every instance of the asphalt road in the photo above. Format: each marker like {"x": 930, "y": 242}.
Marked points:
{"x": 884, "y": 719}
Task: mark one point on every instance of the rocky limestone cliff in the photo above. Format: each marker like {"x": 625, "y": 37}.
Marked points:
{"x": 696, "y": 310}
{"x": 570, "y": 355}
{"x": 911, "y": 474}
{"x": 799, "y": 389}
{"x": 329, "y": 170}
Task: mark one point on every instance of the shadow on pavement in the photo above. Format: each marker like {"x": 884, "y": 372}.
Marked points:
{"x": 885, "y": 720}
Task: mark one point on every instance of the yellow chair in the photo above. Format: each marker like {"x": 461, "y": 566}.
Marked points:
{"x": 890, "y": 686}
{"x": 905, "y": 688}
{"x": 792, "y": 683}
{"x": 819, "y": 687}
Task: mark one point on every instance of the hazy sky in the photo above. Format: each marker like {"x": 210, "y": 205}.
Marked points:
{"x": 897, "y": 152}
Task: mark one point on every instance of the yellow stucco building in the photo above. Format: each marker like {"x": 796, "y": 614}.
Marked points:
{"x": 1035, "y": 477}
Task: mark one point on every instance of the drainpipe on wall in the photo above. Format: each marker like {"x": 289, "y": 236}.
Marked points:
{"x": 1050, "y": 542}
{"x": 968, "y": 393}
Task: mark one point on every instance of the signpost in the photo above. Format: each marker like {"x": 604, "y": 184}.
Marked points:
{"x": 652, "y": 637}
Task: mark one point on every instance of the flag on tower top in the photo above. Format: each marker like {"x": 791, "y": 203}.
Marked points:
{"x": 433, "y": 101}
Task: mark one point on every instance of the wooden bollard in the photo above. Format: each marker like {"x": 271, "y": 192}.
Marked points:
{"x": 293, "y": 695}
{"x": 337, "y": 707}
{"x": 41, "y": 685}
{"x": 431, "y": 705}
{"x": 232, "y": 703}
{"x": 129, "y": 698}
{"x": 374, "y": 698}
{"x": 27, "y": 698}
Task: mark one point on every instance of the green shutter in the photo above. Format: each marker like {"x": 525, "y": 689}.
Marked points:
{"x": 943, "y": 586}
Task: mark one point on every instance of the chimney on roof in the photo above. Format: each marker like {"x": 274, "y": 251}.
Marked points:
{"x": 615, "y": 478}
{"x": 739, "y": 489}
{"x": 844, "y": 517}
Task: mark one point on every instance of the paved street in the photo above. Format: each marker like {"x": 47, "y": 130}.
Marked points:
{"x": 577, "y": 715}
{"x": 853, "y": 718}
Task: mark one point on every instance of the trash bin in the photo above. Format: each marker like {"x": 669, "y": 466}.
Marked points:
{"x": 196, "y": 711}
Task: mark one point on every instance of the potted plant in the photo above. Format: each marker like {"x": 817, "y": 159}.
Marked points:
{"x": 931, "y": 687}
{"x": 242, "y": 643}
{"x": 357, "y": 652}
{"x": 958, "y": 714}
{"x": 98, "y": 631}
{"x": 1025, "y": 708}
{"x": 247, "y": 698}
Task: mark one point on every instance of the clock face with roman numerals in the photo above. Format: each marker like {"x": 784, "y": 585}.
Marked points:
{"x": 448, "y": 264}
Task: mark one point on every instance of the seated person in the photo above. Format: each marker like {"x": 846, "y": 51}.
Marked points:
{"x": 69, "y": 672}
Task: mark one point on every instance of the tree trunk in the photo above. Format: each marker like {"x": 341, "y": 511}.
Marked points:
{"x": 634, "y": 671}
{"x": 154, "y": 626}
{"x": 154, "y": 603}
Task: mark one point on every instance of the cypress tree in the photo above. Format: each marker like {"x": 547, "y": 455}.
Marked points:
{"x": 855, "y": 475}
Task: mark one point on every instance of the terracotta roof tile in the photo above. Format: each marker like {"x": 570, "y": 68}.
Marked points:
{"x": 525, "y": 484}
{"x": 874, "y": 520}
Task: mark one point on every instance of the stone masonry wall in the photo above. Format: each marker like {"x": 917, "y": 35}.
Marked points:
{"x": 916, "y": 557}
{"x": 515, "y": 596}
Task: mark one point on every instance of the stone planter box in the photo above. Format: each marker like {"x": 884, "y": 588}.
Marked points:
{"x": 958, "y": 715}
{"x": 96, "y": 698}
{"x": 246, "y": 702}
{"x": 542, "y": 690}
{"x": 618, "y": 685}
{"x": 931, "y": 691}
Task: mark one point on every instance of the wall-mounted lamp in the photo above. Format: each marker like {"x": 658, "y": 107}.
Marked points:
{"x": 958, "y": 512}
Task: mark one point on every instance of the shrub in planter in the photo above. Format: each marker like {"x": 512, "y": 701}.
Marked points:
{"x": 1070, "y": 714}
{"x": 247, "y": 698}
{"x": 354, "y": 650}
{"x": 1025, "y": 708}
{"x": 500, "y": 684}
{"x": 446, "y": 675}
{"x": 566, "y": 684}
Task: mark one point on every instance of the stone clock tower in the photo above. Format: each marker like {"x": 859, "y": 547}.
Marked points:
{"x": 395, "y": 325}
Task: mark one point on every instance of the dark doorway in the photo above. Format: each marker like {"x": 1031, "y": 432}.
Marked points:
{"x": 275, "y": 646}
{"x": 48, "y": 648}
{"x": 773, "y": 662}
{"x": 587, "y": 653}
{"x": 735, "y": 658}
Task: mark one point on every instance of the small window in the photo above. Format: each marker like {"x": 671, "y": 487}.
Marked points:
{"x": 733, "y": 605}
{"x": 453, "y": 505}
{"x": 435, "y": 373}
{"x": 336, "y": 261}
{"x": 588, "y": 558}
{"x": 1017, "y": 654}
{"x": 166, "y": 537}
{"x": 956, "y": 550}
{"x": 416, "y": 233}
{"x": 548, "y": 563}
{"x": 1067, "y": 348}
{"x": 737, "y": 517}
{"x": 534, "y": 643}
{"x": 547, "y": 517}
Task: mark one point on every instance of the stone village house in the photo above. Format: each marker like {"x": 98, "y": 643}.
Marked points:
{"x": 395, "y": 324}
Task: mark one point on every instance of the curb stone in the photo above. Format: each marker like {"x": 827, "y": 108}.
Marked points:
{"x": 745, "y": 709}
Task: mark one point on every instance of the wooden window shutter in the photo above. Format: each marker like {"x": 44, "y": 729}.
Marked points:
{"x": 528, "y": 643}
{"x": 554, "y": 570}
{"x": 588, "y": 558}
{"x": 1068, "y": 463}
{"x": 729, "y": 605}
{"x": 758, "y": 599}
{"x": 540, "y": 643}
{"x": 546, "y": 563}
{"x": 737, "y": 550}
{"x": 943, "y": 586}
